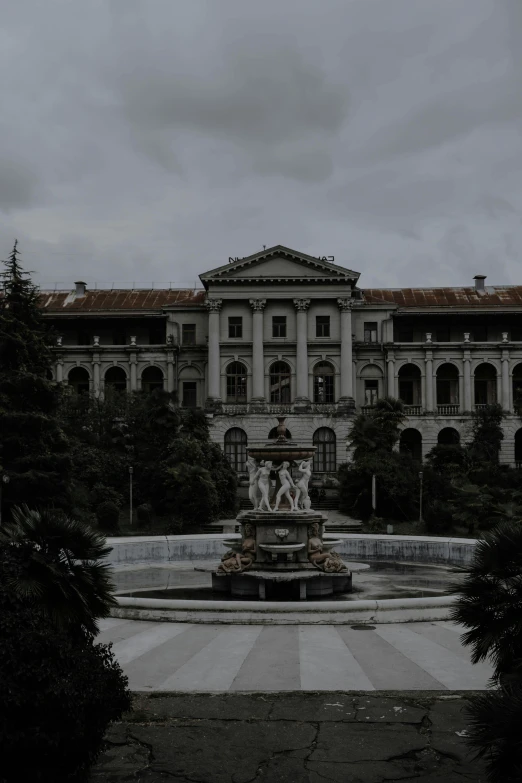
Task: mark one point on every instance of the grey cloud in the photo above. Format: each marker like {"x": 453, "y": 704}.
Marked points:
{"x": 156, "y": 139}
{"x": 19, "y": 185}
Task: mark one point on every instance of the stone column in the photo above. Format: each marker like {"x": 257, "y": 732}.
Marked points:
{"x": 96, "y": 375}
{"x": 430, "y": 403}
{"x": 301, "y": 306}
{"x": 258, "y": 360}
{"x": 461, "y": 392}
{"x": 390, "y": 380}
{"x": 506, "y": 406}
{"x": 346, "y": 400}
{"x": 214, "y": 361}
{"x": 59, "y": 369}
{"x": 467, "y": 381}
{"x": 133, "y": 372}
{"x": 170, "y": 371}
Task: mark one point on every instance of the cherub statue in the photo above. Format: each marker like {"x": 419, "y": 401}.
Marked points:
{"x": 262, "y": 478}
{"x": 287, "y": 483}
{"x": 233, "y": 562}
{"x": 253, "y": 494}
{"x": 325, "y": 561}
{"x": 301, "y": 490}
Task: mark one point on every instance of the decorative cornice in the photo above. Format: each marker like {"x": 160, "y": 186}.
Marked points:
{"x": 345, "y": 305}
{"x": 302, "y": 304}
{"x": 213, "y": 305}
{"x": 257, "y": 304}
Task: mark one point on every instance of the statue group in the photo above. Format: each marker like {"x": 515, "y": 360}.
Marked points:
{"x": 260, "y": 485}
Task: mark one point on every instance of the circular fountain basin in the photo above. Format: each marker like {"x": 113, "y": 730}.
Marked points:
{"x": 174, "y": 553}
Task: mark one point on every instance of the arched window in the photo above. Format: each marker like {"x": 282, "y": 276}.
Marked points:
{"x": 410, "y": 384}
{"x": 236, "y": 448}
{"x": 485, "y": 384}
{"x": 151, "y": 379}
{"x": 280, "y": 382}
{"x": 447, "y": 385}
{"x": 115, "y": 379}
{"x": 236, "y": 382}
{"x": 78, "y": 378}
{"x": 517, "y": 387}
{"x": 324, "y": 382}
{"x": 448, "y": 436}
{"x": 324, "y": 457}
{"x": 518, "y": 448}
{"x": 411, "y": 443}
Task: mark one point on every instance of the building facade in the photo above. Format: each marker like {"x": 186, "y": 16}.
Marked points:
{"x": 283, "y": 333}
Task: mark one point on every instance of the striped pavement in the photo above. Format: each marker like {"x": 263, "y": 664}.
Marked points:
{"x": 217, "y": 658}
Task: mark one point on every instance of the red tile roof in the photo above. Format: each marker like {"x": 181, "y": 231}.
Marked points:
{"x": 157, "y": 299}
{"x": 500, "y": 296}
{"x": 120, "y": 300}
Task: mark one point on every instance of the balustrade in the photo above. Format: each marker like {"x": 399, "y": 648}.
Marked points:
{"x": 447, "y": 410}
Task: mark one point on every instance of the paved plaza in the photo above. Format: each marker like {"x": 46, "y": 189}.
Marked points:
{"x": 291, "y": 738}
{"x": 424, "y": 656}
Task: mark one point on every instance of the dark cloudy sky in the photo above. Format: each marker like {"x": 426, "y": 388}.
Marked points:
{"x": 149, "y": 140}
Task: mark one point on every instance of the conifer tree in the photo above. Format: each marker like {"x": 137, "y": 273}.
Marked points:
{"x": 33, "y": 449}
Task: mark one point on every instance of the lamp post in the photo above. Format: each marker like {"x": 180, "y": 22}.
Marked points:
{"x": 374, "y": 493}
{"x": 131, "y": 471}
{"x": 420, "y": 497}
{"x": 5, "y": 480}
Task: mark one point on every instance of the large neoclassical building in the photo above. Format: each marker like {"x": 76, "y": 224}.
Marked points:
{"x": 283, "y": 333}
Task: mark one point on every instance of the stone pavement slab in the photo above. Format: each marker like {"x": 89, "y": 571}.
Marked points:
{"x": 296, "y": 737}
{"x": 244, "y": 658}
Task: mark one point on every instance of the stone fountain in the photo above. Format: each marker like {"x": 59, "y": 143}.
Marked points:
{"x": 283, "y": 551}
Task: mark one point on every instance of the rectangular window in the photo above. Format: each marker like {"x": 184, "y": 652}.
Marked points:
{"x": 188, "y": 334}
{"x": 371, "y": 392}
{"x": 405, "y": 334}
{"x": 442, "y": 335}
{"x": 322, "y": 326}
{"x": 279, "y": 326}
{"x": 235, "y": 326}
{"x": 370, "y": 332}
{"x": 190, "y": 394}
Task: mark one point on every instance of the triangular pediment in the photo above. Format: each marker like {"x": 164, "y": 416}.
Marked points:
{"x": 279, "y": 263}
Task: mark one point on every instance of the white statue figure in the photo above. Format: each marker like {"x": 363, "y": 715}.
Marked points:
{"x": 262, "y": 478}
{"x": 301, "y": 492}
{"x": 287, "y": 483}
{"x": 253, "y": 493}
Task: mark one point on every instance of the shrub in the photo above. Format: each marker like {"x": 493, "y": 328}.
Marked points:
{"x": 438, "y": 516}
{"x": 108, "y": 516}
{"x": 58, "y": 692}
{"x": 101, "y": 493}
{"x": 144, "y": 514}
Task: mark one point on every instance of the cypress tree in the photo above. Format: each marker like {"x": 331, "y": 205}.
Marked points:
{"x": 33, "y": 449}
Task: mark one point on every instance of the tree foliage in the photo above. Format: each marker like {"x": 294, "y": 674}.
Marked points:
{"x": 62, "y": 576}
{"x": 34, "y": 450}
{"x": 487, "y": 434}
{"x": 489, "y": 606}
{"x": 58, "y": 689}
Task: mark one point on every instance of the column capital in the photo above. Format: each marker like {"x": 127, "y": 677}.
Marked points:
{"x": 213, "y": 305}
{"x": 257, "y": 304}
{"x": 301, "y": 305}
{"x": 345, "y": 305}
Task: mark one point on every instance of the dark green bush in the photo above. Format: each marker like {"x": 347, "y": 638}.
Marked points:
{"x": 108, "y": 516}
{"x": 144, "y": 514}
{"x": 101, "y": 493}
{"x": 58, "y": 692}
{"x": 438, "y": 516}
